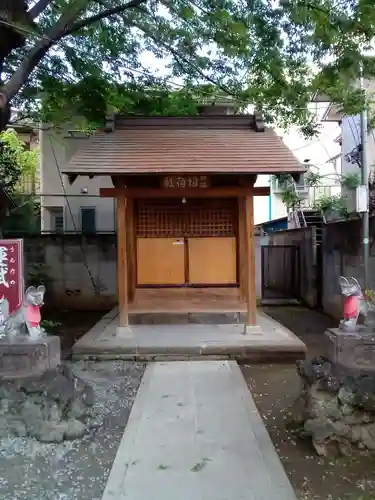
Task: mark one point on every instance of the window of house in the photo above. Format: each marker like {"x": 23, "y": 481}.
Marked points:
{"x": 88, "y": 220}
{"x": 57, "y": 217}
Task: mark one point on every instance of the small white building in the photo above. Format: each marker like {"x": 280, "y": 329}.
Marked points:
{"x": 350, "y": 135}
{"x": 65, "y": 206}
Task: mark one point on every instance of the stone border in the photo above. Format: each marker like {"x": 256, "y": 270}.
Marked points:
{"x": 95, "y": 332}
{"x": 120, "y": 467}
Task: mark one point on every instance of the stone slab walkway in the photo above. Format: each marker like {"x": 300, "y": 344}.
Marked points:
{"x": 194, "y": 433}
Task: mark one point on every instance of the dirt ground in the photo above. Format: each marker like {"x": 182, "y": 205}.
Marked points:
{"x": 69, "y": 325}
{"x": 274, "y": 388}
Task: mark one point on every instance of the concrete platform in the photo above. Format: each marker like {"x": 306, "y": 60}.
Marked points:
{"x": 194, "y": 432}
{"x": 269, "y": 342}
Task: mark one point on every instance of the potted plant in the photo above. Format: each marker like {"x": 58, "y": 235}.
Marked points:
{"x": 333, "y": 207}
{"x": 290, "y": 198}
{"x": 350, "y": 181}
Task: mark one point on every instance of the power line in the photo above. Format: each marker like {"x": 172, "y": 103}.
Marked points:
{"x": 71, "y": 214}
{"x": 352, "y": 131}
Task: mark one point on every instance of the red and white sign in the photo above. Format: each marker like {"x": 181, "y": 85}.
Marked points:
{"x": 11, "y": 274}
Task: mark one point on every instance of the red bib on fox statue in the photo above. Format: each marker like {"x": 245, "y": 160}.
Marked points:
{"x": 352, "y": 294}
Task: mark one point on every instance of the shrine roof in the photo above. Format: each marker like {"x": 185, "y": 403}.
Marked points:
{"x": 197, "y": 144}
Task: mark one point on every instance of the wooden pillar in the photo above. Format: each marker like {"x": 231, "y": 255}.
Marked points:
{"x": 242, "y": 252}
{"x": 130, "y": 239}
{"x": 250, "y": 268}
{"x": 122, "y": 278}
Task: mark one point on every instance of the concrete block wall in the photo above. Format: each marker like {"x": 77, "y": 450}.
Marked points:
{"x": 79, "y": 272}
{"x": 69, "y": 264}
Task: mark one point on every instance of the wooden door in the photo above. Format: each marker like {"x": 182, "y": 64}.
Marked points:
{"x": 160, "y": 261}
{"x": 212, "y": 261}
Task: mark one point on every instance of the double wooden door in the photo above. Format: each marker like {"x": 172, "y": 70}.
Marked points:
{"x": 181, "y": 261}
{"x": 186, "y": 243}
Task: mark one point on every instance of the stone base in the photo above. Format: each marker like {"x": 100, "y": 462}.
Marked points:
{"x": 182, "y": 318}
{"x": 124, "y": 332}
{"x": 354, "y": 352}
{"x": 22, "y": 357}
{"x": 252, "y": 330}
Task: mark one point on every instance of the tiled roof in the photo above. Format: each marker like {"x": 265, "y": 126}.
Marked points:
{"x": 188, "y": 144}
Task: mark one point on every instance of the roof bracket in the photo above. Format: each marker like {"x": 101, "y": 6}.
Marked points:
{"x": 109, "y": 125}
{"x": 259, "y": 123}
{"x": 72, "y": 178}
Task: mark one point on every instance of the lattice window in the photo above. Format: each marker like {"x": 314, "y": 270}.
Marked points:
{"x": 172, "y": 218}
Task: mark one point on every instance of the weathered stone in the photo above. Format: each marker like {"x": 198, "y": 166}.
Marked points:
{"x": 313, "y": 370}
{"x": 78, "y": 409}
{"x": 346, "y": 410}
{"x": 368, "y": 436}
{"x": 21, "y": 356}
{"x": 341, "y": 429}
{"x": 50, "y": 407}
{"x": 344, "y": 448}
{"x": 321, "y": 430}
{"x": 346, "y": 396}
{"x": 355, "y": 434}
{"x": 339, "y": 415}
{"x": 365, "y": 393}
{"x": 75, "y": 429}
{"x": 321, "y": 404}
{"x": 353, "y": 351}
{"x": 321, "y": 449}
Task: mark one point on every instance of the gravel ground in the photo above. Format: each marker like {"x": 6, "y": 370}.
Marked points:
{"x": 76, "y": 470}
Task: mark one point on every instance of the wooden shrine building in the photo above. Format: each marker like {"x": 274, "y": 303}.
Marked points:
{"x": 185, "y": 199}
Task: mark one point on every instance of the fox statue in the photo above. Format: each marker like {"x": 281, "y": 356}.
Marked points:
{"x": 353, "y": 303}
{"x": 26, "y": 319}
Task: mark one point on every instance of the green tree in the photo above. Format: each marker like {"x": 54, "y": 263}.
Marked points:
{"x": 15, "y": 160}
{"x": 272, "y": 55}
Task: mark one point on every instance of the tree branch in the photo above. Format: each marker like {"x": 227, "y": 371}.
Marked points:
{"x": 63, "y": 27}
{"x": 102, "y": 15}
{"x": 36, "y": 54}
{"x": 38, "y": 8}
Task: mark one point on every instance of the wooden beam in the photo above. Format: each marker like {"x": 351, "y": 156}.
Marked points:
{"x": 250, "y": 261}
{"x": 130, "y": 240}
{"x": 122, "y": 278}
{"x": 228, "y": 192}
{"x": 242, "y": 251}
{"x": 261, "y": 191}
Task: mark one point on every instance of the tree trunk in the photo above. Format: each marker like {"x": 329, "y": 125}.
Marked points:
{"x": 14, "y": 15}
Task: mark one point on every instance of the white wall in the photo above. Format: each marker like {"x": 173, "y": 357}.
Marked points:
{"x": 264, "y": 208}
{"x": 351, "y": 134}
{"x": 56, "y": 149}
{"x": 351, "y": 138}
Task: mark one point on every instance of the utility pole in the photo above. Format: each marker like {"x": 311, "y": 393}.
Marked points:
{"x": 364, "y": 184}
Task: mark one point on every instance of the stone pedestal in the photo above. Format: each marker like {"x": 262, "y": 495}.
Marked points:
{"x": 24, "y": 357}
{"x": 352, "y": 352}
